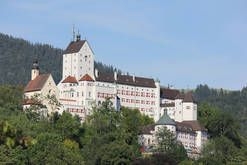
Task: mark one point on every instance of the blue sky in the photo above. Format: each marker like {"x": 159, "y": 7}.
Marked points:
{"x": 184, "y": 43}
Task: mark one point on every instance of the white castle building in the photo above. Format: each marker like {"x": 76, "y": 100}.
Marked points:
{"x": 82, "y": 85}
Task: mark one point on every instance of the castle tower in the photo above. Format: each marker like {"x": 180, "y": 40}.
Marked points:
{"x": 35, "y": 70}
{"x": 78, "y": 59}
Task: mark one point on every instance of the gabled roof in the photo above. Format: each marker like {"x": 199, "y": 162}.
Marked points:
{"x": 165, "y": 119}
{"x": 37, "y": 83}
{"x": 168, "y": 93}
{"x": 86, "y": 77}
{"x": 126, "y": 79}
{"x": 188, "y": 98}
{"x": 74, "y": 47}
{"x": 70, "y": 79}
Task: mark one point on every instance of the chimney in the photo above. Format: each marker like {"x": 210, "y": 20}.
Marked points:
{"x": 96, "y": 73}
{"x": 115, "y": 76}
{"x": 134, "y": 78}
{"x": 35, "y": 70}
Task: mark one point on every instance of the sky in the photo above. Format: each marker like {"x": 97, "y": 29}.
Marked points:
{"x": 182, "y": 43}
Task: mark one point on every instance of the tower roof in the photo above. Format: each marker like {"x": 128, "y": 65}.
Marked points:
{"x": 165, "y": 119}
{"x": 70, "y": 79}
{"x": 188, "y": 98}
{"x": 86, "y": 77}
{"x": 74, "y": 47}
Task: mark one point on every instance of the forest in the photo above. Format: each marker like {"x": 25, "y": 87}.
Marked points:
{"x": 17, "y": 56}
{"x": 233, "y": 102}
{"x": 107, "y": 137}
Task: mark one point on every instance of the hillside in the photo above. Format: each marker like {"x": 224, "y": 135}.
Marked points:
{"x": 17, "y": 55}
{"x": 233, "y": 102}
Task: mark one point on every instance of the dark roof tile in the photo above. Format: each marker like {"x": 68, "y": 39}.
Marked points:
{"x": 167, "y": 105}
{"x": 194, "y": 124}
{"x": 126, "y": 79}
{"x": 74, "y": 47}
{"x": 147, "y": 129}
{"x": 188, "y": 98}
{"x": 168, "y": 93}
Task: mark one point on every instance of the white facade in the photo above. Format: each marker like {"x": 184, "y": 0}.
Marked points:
{"x": 79, "y": 63}
{"x": 82, "y": 93}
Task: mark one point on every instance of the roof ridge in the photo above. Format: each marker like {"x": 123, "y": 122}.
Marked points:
{"x": 86, "y": 77}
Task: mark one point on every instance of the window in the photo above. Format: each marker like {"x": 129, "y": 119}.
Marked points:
{"x": 77, "y": 94}
{"x": 89, "y": 94}
{"x": 142, "y": 94}
{"x": 85, "y": 58}
{"x": 187, "y": 107}
{"x": 82, "y": 93}
{"x": 72, "y": 94}
{"x": 82, "y": 103}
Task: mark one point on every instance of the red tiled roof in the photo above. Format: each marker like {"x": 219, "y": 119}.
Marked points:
{"x": 126, "y": 79}
{"x": 37, "y": 83}
{"x": 168, "y": 93}
{"x": 167, "y": 105}
{"x": 74, "y": 47}
{"x": 70, "y": 79}
{"x": 86, "y": 77}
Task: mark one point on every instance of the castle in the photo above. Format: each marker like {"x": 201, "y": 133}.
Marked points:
{"x": 82, "y": 85}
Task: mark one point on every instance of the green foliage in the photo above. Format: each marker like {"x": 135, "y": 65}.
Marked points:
{"x": 18, "y": 73}
{"x": 50, "y": 149}
{"x": 219, "y": 123}
{"x": 11, "y": 97}
{"x": 156, "y": 159}
{"x": 111, "y": 137}
{"x": 224, "y": 150}
{"x": 226, "y": 146}
{"x": 167, "y": 143}
{"x": 233, "y": 102}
